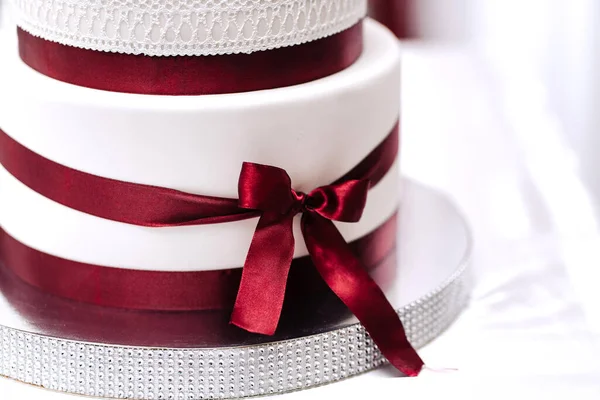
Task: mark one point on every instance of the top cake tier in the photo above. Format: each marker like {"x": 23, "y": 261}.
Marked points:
{"x": 186, "y": 27}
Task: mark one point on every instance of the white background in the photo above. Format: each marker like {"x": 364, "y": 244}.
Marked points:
{"x": 505, "y": 124}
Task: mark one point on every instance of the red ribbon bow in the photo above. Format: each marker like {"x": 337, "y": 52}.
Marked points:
{"x": 262, "y": 290}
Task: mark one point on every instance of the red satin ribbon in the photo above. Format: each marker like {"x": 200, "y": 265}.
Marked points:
{"x": 193, "y": 75}
{"x": 173, "y": 290}
{"x": 147, "y": 205}
{"x": 264, "y": 191}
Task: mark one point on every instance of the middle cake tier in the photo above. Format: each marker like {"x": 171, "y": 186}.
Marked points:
{"x": 317, "y": 132}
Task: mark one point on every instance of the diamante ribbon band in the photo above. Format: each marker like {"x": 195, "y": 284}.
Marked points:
{"x": 264, "y": 191}
{"x": 193, "y": 75}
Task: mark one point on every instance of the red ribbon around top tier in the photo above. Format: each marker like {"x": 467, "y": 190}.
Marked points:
{"x": 193, "y": 75}
{"x": 264, "y": 191}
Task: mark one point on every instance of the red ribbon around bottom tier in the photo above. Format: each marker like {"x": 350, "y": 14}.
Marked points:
{"x": 305, "y": 310}
{"x": 264, "y": 191}
{"x": 169, "y": 290}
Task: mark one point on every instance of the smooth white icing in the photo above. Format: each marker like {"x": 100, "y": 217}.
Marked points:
{"x": 316, "y": 131}
{"x": 197, "y": 27}
{"x": 54, "y": 229}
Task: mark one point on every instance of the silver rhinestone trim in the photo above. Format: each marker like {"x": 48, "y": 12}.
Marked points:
{"x": 225, "y": 373}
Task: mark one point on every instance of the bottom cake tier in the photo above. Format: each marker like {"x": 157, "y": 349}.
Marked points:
{"x": 98, "y": 351}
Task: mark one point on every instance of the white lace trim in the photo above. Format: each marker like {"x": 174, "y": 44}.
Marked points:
{"x": 186, "y": 27}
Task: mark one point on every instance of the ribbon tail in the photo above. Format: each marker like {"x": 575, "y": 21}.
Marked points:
{"x": 264, "y": 278}
{"x": 345, "y": 275}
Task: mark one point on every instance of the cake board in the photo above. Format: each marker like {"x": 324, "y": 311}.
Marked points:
{"x": 72, "y": 347}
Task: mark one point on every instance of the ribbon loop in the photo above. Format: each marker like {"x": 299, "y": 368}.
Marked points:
{"x": 343, "y": 202}
{"x": 265, "y": 188}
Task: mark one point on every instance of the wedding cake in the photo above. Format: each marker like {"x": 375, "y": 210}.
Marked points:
{"x": 203, "y": 155}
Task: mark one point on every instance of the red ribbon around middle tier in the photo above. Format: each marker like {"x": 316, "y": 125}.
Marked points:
{"x": 264, "y": 191}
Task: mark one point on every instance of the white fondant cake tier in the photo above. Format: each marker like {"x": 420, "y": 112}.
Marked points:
{"x": 198, "y": 143}
{"x": 316, "y": 131}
